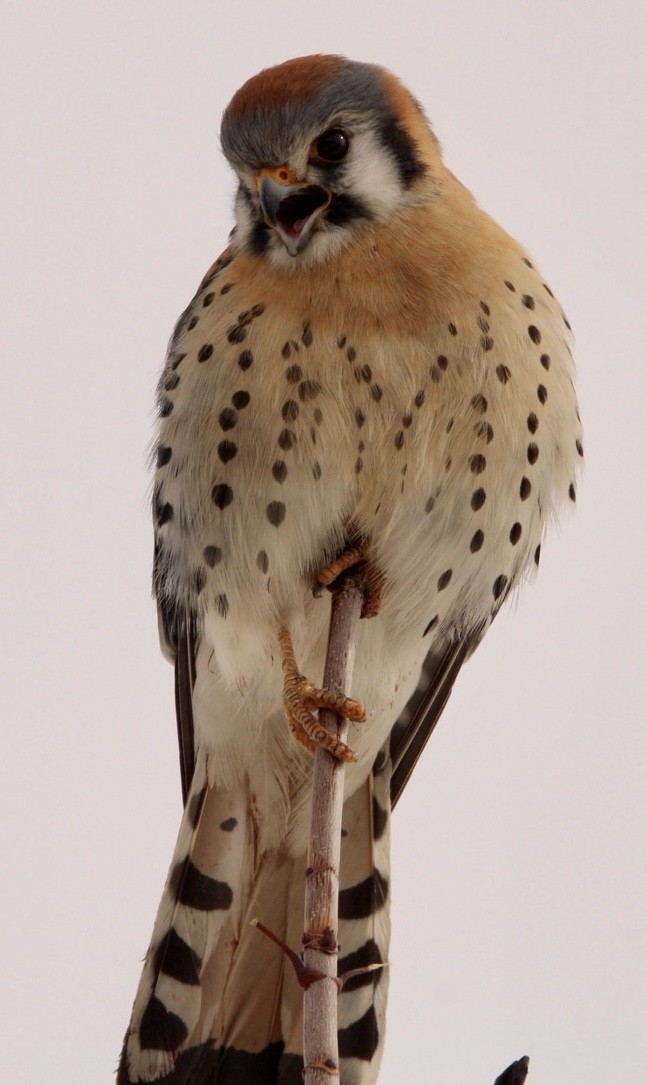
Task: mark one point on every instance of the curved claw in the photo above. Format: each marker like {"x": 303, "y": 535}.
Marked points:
{"x": 373, "y": 579}
{"x": 300, "y": 695}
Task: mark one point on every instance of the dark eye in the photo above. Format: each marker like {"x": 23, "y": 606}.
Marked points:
{"x": 331, "y": 146}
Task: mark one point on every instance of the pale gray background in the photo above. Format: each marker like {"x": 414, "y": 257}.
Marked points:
{"x": 519, "y": 849}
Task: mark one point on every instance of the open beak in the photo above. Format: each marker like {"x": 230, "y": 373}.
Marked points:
{"x": 290, "y": 206}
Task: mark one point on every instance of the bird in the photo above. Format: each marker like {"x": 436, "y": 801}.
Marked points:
{"x": 372, "y": 363}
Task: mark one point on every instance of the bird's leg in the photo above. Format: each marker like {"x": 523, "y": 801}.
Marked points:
{"x": 300, "y": 695}
{"x": 355, "y": 554}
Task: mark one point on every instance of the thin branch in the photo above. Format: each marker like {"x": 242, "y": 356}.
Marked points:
{"x": 320, "y": 1051}
{"x": 317, "y": 971}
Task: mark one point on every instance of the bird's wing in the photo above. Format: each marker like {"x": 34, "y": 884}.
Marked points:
{"x": 422, "y": 711}
{"x": 179, "y": 644}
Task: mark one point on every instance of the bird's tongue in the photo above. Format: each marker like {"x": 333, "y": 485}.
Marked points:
{"x": 292, "y": 229}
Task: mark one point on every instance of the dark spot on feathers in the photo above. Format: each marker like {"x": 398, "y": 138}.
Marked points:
{"x": 227, "y": 450}
{"x": 499, "y": 586}
{"x": 227, "y": 418}
{"x": 275, "y": 512}
{"x": 222, "y": 495}
{"x": 212, "y": 556}
{"x": 308, "y": 390}
{"x": 477, "y": 541}
{"x": 287, "y": 439}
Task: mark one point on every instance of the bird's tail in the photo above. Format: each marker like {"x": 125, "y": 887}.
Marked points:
{"x": 218, "y": 1003}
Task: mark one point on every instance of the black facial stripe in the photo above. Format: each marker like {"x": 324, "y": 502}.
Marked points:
{"x": 344, "y": 209}
{"x": 259, "y": 238}
{"x": 396, "y": 140}
{"x": 247, "y": 197}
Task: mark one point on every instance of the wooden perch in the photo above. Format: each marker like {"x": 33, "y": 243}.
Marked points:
{"x": 316, "y": 972}
{"x": 320, "y": 1052}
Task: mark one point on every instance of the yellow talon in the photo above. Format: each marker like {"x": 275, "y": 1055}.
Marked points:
{"x": 373, "y": 579}
{"x": 300, "y": 695}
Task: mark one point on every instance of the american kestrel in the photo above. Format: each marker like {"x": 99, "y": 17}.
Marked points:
{"x": 372, "y": 362}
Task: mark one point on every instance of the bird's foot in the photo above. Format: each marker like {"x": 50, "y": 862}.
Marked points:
{"x": 355, "y": 554}
{"x": 300, "y": 696}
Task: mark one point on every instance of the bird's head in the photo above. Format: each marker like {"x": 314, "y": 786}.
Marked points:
{"x": 325, "y": 149}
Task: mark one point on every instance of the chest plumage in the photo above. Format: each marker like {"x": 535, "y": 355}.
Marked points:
{"x": 299, "y": 411}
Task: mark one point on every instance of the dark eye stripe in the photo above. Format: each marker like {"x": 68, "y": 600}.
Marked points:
{"x": 345, "y": 209}
{"x": 404, "y": 150}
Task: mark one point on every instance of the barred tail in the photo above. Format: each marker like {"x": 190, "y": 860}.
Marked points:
{"x": 218, "y": 1003}
{"x": 203, "y": 894}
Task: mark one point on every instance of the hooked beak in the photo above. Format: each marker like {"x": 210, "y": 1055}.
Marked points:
{"x": 290, "y": 206}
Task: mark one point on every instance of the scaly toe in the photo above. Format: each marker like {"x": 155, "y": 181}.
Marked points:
{"x": 300, "y": 695}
